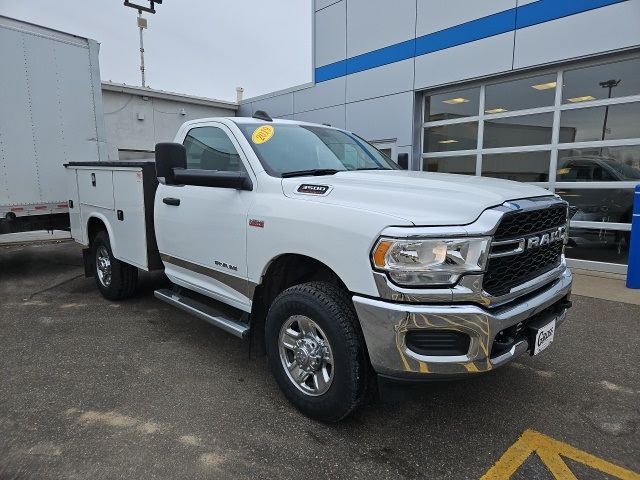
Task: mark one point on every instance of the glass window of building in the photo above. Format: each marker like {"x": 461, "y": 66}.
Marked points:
{"x": 597, "y": 147}
{"x": 520, "y": 94}
{"x": 611, "y": 80}
{"x": 600, "y": 245}
{"x": 599, "y": 204}
{"x": 611, "y": 164}
{"x": 462, "y": 164}
{"x": 456, "y": 104}
{"x": 515, "y": 131}
{"x": 520, "y": 166}
{"x": 611, "y": 122}
{"x": 455, "y": 136}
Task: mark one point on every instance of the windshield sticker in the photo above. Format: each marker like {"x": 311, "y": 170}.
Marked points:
{"x": 262, "y": 134}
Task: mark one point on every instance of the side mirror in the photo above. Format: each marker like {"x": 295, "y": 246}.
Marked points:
{"x": 212, "y": 178}
{"x": 168, "y": 157}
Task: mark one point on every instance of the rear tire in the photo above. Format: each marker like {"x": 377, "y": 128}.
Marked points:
{"x": 316, "y": 351}
{"x": 116, "y": 280}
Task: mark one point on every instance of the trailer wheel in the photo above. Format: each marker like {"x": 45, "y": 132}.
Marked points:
{"x": 116, "y": 280}
{"x": 316, "y": 351}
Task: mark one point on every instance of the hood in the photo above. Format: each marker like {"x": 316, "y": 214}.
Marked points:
{"x": 422, "y": 198}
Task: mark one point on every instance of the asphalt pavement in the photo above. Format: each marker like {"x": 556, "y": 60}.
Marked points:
{"x": 91, "y": 389}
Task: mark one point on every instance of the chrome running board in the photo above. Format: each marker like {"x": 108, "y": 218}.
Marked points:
{"x": 203, "y": 312}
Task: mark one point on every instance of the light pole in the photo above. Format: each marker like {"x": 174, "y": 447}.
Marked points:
{"x": 610, "y": 84}
{"x": 142, "y": 24}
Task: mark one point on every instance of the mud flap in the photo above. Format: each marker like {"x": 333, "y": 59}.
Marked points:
{"x": 87, "y": 260}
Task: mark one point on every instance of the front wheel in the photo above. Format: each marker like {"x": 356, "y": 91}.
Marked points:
{"x": 316, "y": 350}
{"x": 116, "y": 280}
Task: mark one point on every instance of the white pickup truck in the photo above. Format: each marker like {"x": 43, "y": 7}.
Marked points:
{"x": 349, "y": 269}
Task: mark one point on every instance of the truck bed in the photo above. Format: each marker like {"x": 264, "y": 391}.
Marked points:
{"x": 120, "y": 195}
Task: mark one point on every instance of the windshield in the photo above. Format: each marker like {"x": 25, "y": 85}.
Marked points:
{"x": 287, "y": 149}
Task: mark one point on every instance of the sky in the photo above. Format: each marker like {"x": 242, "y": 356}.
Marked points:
{"x": 196, "y": 47}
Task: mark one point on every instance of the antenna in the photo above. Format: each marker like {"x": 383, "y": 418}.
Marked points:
{"x": 142, "y": 24}
{"x": 262, "y": 115}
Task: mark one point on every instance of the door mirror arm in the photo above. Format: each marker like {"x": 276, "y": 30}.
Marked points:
{"x": 212, "y": 178}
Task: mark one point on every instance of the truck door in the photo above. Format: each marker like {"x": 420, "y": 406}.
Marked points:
{"x": 201, "y": 231}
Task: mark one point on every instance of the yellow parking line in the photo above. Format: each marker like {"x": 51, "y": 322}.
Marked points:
{"x": 551, "y": 452}
{"x": 555, "y": 465}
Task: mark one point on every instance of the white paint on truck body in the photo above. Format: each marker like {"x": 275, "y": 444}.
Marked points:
{"x": 338, "y": 229}
{"x": 218, "y": 234}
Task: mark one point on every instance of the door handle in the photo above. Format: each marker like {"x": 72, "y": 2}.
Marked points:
{"x": 171, "y": 201}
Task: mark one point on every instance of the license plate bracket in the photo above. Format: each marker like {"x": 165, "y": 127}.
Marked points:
{"x": 541, "y": 335}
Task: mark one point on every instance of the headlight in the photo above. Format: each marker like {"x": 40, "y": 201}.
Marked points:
{"x": 430, "y": 261}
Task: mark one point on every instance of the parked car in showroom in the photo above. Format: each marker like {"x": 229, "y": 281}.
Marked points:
{"x": 598, "y": 205}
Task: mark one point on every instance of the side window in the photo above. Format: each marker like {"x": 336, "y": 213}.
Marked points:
{"x": 584, "y": 173}
{"x": 601, "y": 174}
{"x": 566, "y": 172}
{"x": 209, "y": 148}
{"x": 575, "y": 172}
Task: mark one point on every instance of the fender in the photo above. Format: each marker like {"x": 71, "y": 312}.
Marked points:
{"x": 107, "y": 224}
{"x": 268, "y": 265}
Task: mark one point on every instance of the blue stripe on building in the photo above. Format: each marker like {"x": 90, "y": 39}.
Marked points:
{"x": 525, "y": 16}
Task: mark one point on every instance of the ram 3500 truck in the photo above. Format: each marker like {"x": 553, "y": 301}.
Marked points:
{"x": 348, "y": 268}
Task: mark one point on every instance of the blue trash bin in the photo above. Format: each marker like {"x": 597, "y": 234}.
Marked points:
{"x": 633, "y": 271}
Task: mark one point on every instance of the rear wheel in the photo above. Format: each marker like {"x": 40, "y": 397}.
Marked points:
{"x": 316, "y": 351}
{"x": 116, "y": 280}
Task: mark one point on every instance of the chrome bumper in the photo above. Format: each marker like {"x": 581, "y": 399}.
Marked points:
{"x": 385, "y": 325}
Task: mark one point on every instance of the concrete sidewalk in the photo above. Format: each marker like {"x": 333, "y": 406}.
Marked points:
{"x": 606, "y": 286}
{"x": 35, "y": 236}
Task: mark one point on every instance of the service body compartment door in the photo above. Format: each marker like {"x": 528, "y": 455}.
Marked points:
{"x": 129, "y": 225}
{"x": 74, "y": 204}
{"x": 96, "y": 188}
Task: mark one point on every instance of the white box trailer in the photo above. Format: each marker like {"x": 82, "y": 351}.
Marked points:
{"x": 50, "y": 114}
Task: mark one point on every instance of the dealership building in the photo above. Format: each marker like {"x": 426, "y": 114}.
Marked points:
{"x": 545, "y": 92}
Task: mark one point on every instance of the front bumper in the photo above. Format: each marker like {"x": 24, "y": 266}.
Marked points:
{"x": 386, "y": 324}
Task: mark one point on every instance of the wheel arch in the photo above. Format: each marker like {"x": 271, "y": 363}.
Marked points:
{"x": 97, "y": 223}
{"x": 289, "y": 269}
{"x": 281, "y": 272}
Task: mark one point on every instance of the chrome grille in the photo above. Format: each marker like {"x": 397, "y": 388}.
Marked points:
{"x": 505, "y": 272}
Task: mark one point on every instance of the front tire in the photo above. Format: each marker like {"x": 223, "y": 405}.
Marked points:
{"x": 316, "y": 350}
{"x": 116, "y": 280}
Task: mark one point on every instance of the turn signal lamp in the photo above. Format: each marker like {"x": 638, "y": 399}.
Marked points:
{"x": 380, "y": 252}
